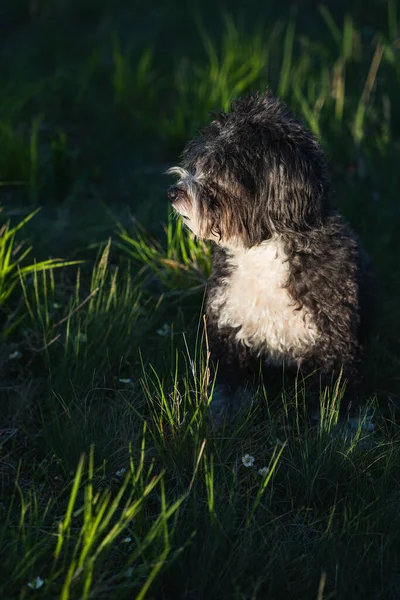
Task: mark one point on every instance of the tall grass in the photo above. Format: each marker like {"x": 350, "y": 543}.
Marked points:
{"x": 237, "y": 67}
{"x": 14, "y": 269}
{"x": 91, "y": 548}
{"x": 184, "y": 264}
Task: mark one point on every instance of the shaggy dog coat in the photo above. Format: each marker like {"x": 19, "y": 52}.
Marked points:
{"x": 290, "y": 283}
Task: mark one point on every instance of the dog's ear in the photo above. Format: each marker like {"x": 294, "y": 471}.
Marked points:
{"x": 296, "y": 191}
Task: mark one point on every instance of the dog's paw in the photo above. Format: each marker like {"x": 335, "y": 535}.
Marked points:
{"x": 362, "y": 422}
{"x": 353, "y": 430}
{"x": 357, "y": 431}
{"x": 219, "y": 405}
{"x": 227, "y": 405}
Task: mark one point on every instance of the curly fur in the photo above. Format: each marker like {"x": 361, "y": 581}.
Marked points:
{"x": 290, "y": 282}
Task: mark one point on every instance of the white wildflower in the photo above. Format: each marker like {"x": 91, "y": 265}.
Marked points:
{"x": 263, "y": 471}
{"x": 125, "y": 380}
{"x": 15, "y": 355}
{"x": 36, "y": 584}
{"x": 56, "y": 305}
{"x": 164, "y": 330}
{"x": 127, "y": 540}
{"x": 120, "y": 472}
{"x": 248, "y": 460}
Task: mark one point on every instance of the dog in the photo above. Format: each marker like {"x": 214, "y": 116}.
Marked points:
{"x": 291, "y": 285}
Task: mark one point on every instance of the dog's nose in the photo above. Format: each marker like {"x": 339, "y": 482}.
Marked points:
{"x": 173, "y": 193}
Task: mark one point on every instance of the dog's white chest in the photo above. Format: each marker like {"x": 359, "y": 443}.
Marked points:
{"x": 254, "y": 300}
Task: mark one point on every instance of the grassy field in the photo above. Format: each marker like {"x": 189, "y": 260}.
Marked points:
{"x": 113, "y": 484}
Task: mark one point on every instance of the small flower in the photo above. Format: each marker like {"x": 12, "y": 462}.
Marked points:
{"x": 36, "y": 584}
{"x": 263, "y": 471}
{"x": 129, "y": 572}
{"x": 82, "y": 338}
{"x": 56, "y": 305}
{"x": 127, "y": 540}
{"x": 164, "y": 330}
{"x": 248, "y": 460}
{"x": 15, "y": 355}
{"x": 120, "y": 472}
{"x": 125, "y": 380}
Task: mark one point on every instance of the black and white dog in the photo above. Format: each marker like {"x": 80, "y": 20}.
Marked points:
{"x": 290, "y": 285}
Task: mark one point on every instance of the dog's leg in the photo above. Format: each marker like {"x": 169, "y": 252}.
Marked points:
{"x": 227, "y": 403}
{"x": 233, "y": 371}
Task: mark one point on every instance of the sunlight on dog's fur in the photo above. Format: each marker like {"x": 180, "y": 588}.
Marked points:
{"x": 290, "y": 283}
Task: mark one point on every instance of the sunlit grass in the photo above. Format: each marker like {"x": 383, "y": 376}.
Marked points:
{"x": 88, "y": 549}
{"x": 183, "y": 263}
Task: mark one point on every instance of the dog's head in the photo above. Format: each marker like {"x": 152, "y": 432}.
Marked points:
{"x": 252, "y": 173}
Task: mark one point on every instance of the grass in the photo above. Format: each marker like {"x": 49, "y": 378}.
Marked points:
{"x": 113, "y": 483}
